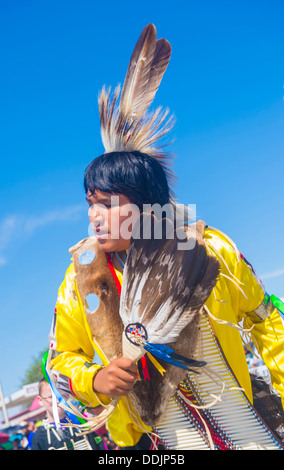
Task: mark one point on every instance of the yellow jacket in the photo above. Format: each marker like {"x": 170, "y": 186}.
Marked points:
{"x": 242, "y": 296}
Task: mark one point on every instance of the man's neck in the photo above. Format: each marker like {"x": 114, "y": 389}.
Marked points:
{"x": 118, "y": 260}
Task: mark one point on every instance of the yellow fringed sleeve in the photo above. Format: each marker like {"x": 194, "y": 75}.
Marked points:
{"x": 237, "y": 297}
{"x": 76, "y": 351}
{"x": 73, "y": 342}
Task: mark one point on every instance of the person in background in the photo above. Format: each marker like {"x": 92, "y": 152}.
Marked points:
{"x": 48, "y": 437}
{"x": 28, "y": 433}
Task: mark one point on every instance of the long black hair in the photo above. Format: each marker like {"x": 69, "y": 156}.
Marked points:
{"x": 137, "y": 175}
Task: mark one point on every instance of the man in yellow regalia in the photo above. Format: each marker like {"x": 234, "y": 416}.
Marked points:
{"x": 133, "y": 176}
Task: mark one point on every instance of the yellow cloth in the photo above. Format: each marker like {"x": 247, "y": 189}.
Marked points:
{"x": 235, "y": 297}
{"x": 267, "y": 335}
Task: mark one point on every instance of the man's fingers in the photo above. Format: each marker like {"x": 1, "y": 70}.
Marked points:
{"x": 126, "y": 364}
{"x": 118, "y": 378}
{"x": 126, "y": 374}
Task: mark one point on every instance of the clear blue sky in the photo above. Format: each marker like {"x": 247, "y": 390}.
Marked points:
{"x": 225, "y": 86}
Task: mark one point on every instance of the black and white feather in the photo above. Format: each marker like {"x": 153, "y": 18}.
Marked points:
{"x": 164, "y": 287}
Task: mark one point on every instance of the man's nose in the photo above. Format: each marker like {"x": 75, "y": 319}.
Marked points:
{"x": 96, "y": 213}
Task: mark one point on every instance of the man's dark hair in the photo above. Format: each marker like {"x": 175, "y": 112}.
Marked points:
{"x": 137, "y": 175}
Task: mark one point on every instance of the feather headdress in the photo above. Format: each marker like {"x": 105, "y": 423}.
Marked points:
{"x": 126, "y": 124}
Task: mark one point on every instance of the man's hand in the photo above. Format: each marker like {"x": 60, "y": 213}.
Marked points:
{"x": 117, "y": 379}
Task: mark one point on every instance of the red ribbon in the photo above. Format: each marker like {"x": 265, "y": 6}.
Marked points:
{"x": 112, "y": 270}
{"x": 145, "y": 368}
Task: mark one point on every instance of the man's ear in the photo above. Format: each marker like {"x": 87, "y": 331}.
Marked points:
{"x": 40, "y": 400}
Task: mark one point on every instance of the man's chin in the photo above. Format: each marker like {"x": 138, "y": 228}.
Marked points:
{"x": 103, "y": 244}
{"x": 108, "y": 245}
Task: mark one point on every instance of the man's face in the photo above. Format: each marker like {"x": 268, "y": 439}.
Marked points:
{"x": 112, "y": 217}
{"x": 45, "y": 400}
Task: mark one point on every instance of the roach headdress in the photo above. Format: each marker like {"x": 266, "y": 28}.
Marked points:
{"x": 126, "y": 123}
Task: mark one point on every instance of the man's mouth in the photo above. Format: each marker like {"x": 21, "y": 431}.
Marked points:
{"x": 101, "y": 234}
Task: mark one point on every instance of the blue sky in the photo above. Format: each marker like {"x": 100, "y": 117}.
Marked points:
{"x": 225, "y": 86}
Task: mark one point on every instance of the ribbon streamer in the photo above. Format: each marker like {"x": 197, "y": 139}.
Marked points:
{"x": 168, "y": 355}
{"x": 145, "y": 368}
{"x": 278, "y": 304}
{"x": 58, "y": 396}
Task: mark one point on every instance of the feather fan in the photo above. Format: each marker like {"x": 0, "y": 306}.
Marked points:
{"x": 163, "y": 290}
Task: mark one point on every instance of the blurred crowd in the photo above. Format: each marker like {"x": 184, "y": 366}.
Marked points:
{"x": 21, "y": 437}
